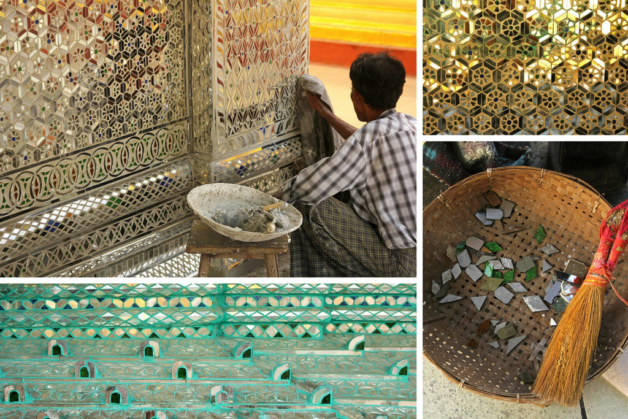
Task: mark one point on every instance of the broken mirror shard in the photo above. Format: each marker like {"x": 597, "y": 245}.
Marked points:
{"x": 576, "y": 268}
{"x": 483, "y": 327}
{"x": 525, "y": 264}
{"x": 491, "y": 284}
{"x": 456, "y": 270}
{"x": 485, "y": 258}
{"x": 493, "y": 247}
{"x": 478, "y": 302}
{"x": 535, "y": 303}
{"x": 495, "y": 322}
{"x": 474, "y": 272}
{"x": 531, "y": 274}
{"x": 534, "y": 258}
{"x": 549, "y": 249}
{"x": 507, "y": 207}
{"x": 552, "y": 322}
{"x": 517, "y": 287}
{"x": 480, "y": 215}
{"x": 463, "y": 258}
{"x": 460, "y": 247}
{"x": 507, "y": 263}
{"x": 506, "y": 332}
{"x": 494, "y": 214}
{"x": 435, "y": 287}
{"x": 494, "y": 344}
{"x": 447, "y": 276}
{"x": 552, "y": 293}
{"x": 493, "y": 199}
{"x": 503, "y": 295}
{"x": 525, "y": 378}
{"x": 450, "y": 298}
{"x": 546, "y": 266}
{"x": 442, "y": 292}
{"x": 475, "y": 243}
{"x": 496, "y": 264}
{"x": 451, "y": 253}
{"x": 499, "y": 326}
{"x": 512, "y": 343}
{"x": 560, "y": 304}
{"x": 569, "y": 283}
{"x": 508, "y": 277}
{"x": 539, "y": 235}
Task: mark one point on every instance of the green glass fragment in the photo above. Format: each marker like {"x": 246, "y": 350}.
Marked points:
{"x": 508, "y": 277}
{"x": 460, "y": 247}
{"x": 497, "y": 274}
{"x": 531, "y": 274}
{"x": 539, "y": 235}
{"x": 493, "y": 247}
{"x": 488, "y": 270}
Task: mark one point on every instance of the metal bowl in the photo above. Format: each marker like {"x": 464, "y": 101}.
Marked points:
{"x": 216, "y": 196}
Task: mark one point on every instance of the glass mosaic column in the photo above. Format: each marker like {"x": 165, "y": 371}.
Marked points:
{"x": 111, "y": 111}
{"x": 290, "y": 351}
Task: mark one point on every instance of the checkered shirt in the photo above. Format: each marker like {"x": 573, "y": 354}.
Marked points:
{"x": 377, "y": 164}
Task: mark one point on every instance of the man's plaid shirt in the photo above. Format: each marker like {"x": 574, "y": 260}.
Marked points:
{"x": 377, "y": 164}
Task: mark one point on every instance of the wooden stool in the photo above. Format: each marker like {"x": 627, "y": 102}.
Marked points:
{"x": 210, "y": 245}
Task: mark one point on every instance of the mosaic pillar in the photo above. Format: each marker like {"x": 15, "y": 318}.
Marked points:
{"x": 245, "y": 122}
{"x": 111, "y": 111}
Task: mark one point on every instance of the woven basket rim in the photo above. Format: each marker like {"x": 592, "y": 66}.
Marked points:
{"x": 523, "y": 397}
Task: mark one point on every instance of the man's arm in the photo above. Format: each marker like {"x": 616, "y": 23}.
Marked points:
{"x": 345, "y": 170}
{"x": 345, "y": 130}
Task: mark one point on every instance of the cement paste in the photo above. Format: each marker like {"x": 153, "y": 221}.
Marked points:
{"x": 236, "y": 212}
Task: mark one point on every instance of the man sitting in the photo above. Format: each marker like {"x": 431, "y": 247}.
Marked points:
{"x": 359, "y": 205}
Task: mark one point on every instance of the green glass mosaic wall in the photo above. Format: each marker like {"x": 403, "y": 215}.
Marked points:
{"x": 523, "y": 67}
{"x": 208, "y": 351}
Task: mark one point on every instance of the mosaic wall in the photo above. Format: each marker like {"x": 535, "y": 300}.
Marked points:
{"x": 520, "y": 67}
{"x": 66, "y": 349}
{"x": 111, "y": 111}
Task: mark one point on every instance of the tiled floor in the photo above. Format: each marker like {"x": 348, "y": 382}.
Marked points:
{"x": 338, "y": 85}
{"x": 442, "y": 399}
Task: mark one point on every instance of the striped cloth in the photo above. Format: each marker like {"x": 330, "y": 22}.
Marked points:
{"x": 377, "y": 164}
{"x": 335, "y": 242}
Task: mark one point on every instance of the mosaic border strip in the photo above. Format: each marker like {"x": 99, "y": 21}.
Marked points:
{"x": 38, "y": 186}
{"x": 46, "y": 261}
{"x": 94, "y": 209}
{"x": 65, "y": 291}
{"x": 110, "y": 333}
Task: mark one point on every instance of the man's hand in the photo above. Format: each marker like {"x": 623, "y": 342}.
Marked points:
{"x": 317, "y": 104}
{"x": 278, "y": 193}
{"x": 345, "y": 130}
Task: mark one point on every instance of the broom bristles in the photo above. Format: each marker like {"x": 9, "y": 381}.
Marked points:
{"x": 570, "y": 351}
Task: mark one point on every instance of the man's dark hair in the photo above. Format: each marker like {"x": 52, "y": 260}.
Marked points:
{"x": 379, "y": 78}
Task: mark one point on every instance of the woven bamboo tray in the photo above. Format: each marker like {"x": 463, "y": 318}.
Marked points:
{"x": 571, "y": 212}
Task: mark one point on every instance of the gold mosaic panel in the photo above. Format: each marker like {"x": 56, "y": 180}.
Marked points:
{"x": 75, "y": 74}
{"x": 521, "y": 67}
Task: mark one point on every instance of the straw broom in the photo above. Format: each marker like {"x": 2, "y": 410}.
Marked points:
{"x": 568, "y": 357}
